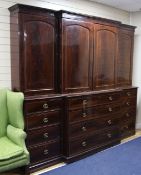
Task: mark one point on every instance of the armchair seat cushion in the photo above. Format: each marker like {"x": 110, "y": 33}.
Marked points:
{"x": 8, "y": 149}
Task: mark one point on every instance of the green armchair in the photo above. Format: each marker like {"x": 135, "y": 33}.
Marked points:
{"x": 13, "y": 152}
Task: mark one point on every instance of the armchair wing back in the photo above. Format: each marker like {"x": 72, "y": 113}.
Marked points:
{"x": 13, "y": 151}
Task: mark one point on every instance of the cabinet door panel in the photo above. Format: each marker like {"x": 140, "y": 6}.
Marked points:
{"x": 124, "y": 61}
{"x": 77, "y": 56}
{"x": 39, "y": 57}
{"x": 105, "y": 56}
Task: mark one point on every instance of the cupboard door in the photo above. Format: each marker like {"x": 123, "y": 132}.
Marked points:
{"x": 77, "y": 55}
{"x": 124, "y": 61}
{"x": 105, "y": 56}
{"x": 38, "y": 54}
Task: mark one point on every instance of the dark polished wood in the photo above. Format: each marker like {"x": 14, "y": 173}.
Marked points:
{"x": 105, "y": 56}
{"x": 77, "y": 55}
{"x": 125, "y": 55}
{"x": 76, "y": 74}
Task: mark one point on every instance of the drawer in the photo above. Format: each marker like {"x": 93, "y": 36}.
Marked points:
{"x": 42, "y": 105}
{"x": 129, "y": 114}
{"x": 129, "y": 102}
{"x": 127, "y": 129}
{"x": 89, "y": 113}
{"x": 92, "y": 141}
{"x": 92, "y": 100}
{"x": 37, "y": 120}
{"x": 91, "y": 126}
{"x": 43, "y": 135}
{"x": 130, "y": 93}
{"x": 45, "y": 151}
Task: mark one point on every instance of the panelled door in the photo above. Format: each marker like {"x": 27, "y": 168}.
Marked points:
{"x": 125, "y": 54}
{"x": 38, "y": 73}
{"x": 77, "y": 55}
{"x": 105, "y": 55}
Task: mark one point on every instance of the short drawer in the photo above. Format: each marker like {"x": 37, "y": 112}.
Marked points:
{"x": 127, "y": 129}
{"x": 42, "y": 105}
{"x": 129, "y": 114}
{"x": 46, "y": 134}
{"x": 89, "y": 113}
{"x": 130, "y": 93}
{"x": 129, "y": 102}
{"x": 37, "y": 120}
{"x": 92, "y": 126}
{"x": 92, "y": 141}
{"x": 45, "y": 151}
{"x": 92, "y": 100}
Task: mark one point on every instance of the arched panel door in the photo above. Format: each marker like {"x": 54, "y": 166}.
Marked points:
{"x": 105, "y": 56}
{"x": 39, "y": 55}
{"x": 124, "y": 61}
{"x": 77, "y": 55}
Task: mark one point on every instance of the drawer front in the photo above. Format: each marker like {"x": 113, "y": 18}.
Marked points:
{"x": 91, "y": 126}
{"x": 129, "y": 114}
{"x": 42, "y": 105}
{"x": 92, "y": 142}
{"x": 46, "y": 151}
{"x": 89, "y": 113}
{"x": 129, "y": 102}
{"x": 43, "y": 135}
{"x": 130, "y": 93}
{"x": 127, "y": 129}
{"x": 92, "y": 100}
{"x": 37, "y": 120}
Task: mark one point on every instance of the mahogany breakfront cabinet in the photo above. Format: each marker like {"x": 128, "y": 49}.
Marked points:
{"x": 76, "y": 74}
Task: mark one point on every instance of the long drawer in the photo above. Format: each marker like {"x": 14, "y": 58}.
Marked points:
{"x": 92, "y": 141}
{"x": 89, "y": 113}
{"x": 37, "y": 120}
{"x": 91, "y": 126}
{"x": 92, "y": 100}
{"x": 45, "y": 151}
{"x": 43, "y": 135}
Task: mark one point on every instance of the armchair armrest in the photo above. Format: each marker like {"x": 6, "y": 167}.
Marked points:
{"x": 17, "y": 136}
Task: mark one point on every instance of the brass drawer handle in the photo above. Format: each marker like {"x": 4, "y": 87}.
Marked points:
{"x": 45, "y": 106}
{"x": 45, "y": 152}
{"x": 127, "y": 103}
{"x": 110, "y": 109}
{"x": 46, "y": 135}
{"x": 84, "y": 144}
{"x": 84, "y": 128}
{"x": 125, "y": 127}
{"x": 109, "y": 122}
{"x": 109, "y": 135}
{"x": 84, "y": 114}
{"x": 127, "y": 114}
{"x": 128, "y": 93}
{"x": 84, "y": 103}
{"x": 45, "y": 120}
{"x": 110, "y": 98}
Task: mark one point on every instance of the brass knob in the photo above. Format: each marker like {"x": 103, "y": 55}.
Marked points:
{"x": 84, "y": 144}
{"x": 45, "y": 135}
{"x": 84, "y": 128}
{"x": 110, "y": 98}
{"x": 127, "y": 114}
{"x": 127, "y": 103}
{"x": 45, "y": 120}
{"x": 109, "y": 122}
{"x": 110, "y": 109}
{"x": 128, "y": 94}
{"x": 109, "y": 135}
{"x": 84, "y": 114}
{"x": 45, "y": 152}
{"x": 126, "y": 127}
{"x": 45, "y": 105}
